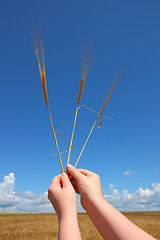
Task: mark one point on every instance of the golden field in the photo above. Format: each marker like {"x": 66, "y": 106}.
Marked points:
{"x": 45, "y": 226}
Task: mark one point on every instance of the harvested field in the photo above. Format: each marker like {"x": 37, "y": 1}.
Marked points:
{"x": 45, "y": 226}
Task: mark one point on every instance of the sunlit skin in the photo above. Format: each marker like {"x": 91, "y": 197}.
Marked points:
{"x": 111, "y": 224}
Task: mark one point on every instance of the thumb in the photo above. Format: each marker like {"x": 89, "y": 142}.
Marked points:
{"x": 74, "y": 172}
{"x": 65, "y": 180}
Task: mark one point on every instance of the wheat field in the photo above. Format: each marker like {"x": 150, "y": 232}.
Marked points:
{"x": 45, "y": 226}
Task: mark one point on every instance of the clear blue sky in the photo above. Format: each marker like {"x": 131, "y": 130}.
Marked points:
{"x": 124, "y": 34}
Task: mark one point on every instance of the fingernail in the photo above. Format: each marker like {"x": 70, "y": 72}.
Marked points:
{"x": 63, "y": 174}
{"x": 69, "y": 166}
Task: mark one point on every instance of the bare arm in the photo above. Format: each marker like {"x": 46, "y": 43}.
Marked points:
{"x": 111, "y": 224}
{"x": 68, "y": 229}
{"x": 64, "y": 200}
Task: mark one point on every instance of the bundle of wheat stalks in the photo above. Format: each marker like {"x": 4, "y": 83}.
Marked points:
{"x": 86, "y": 64}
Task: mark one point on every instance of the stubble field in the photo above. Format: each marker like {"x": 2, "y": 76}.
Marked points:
{"x": 45, "y": 226}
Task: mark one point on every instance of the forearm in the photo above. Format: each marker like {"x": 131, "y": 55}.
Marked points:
{"x": 68, "y": 228}
{"x": 111, "y": 223}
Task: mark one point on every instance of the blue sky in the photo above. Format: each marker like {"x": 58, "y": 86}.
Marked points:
{"x": 124, "y": 35}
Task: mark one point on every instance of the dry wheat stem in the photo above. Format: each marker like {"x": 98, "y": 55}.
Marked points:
{"x": 43, "y": 80}
{"x": 100, "y": 123}
{"x": 85, "y": 69}
{"x": 60, "y": 153}
{"x": 86, "y": 142}
{"x": 94, "y": 111}
{"x": 56, "y": 141}
{"x": 63, "y": 137}
{"x": 46, "y": 100}
{"x": 108, "y": 97}
{"x": 75, "y": 118}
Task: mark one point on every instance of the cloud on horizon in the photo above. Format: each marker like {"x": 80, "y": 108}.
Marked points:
{"x": 141, "y": 200}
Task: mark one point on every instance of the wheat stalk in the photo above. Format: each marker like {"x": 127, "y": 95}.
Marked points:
{"x": 60, "y": 153}
{"x": 86, "y": 64}
{"x": 93, "y": 111}
{"x": 40, "y": 57}
{"x": 106, "y": 101}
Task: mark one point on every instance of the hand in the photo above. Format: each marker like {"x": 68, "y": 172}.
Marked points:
{"x": 85, "y": 183}
{"x": 62, "y": 196}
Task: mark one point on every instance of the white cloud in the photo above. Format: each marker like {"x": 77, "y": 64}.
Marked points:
{"x": 28, "y": 194}
{"x": 7, "y": 194}
{"x": 7, "y": 185}
{"x": 28, "y": 201}
{"x": 142, "y": 200}
{"x": 128, "y": 173}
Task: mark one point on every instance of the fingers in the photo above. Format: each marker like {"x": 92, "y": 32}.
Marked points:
{"x": 65, "y": 180}
{"x": 56, "y": 181}
{"x": 75, "y": 175}
{"x": 85, "y": 172}
{"x": 74, "y": 184}
{"x": 60, "y": 181}
{"x": 55, "y": 184}
{"x": 74, "y": 172}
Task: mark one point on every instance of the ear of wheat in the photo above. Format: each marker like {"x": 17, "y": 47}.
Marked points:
{"x": 41, "y": 64}
{"x": 106, "y": 101}
{"x": 86, "y": 64}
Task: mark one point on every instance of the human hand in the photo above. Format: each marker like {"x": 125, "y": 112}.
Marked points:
{"x": 62, "y": 196}
{"x": 85, "y": 183}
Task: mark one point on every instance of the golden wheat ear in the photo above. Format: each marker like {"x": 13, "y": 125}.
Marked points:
{"x": 106, "y": 101}
{"x": 41, "y": 64}
{"x": 86, "y": 64}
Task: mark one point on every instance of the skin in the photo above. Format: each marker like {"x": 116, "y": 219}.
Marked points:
{"x": 111, "y": 224}
{"x": 63, "y": 198}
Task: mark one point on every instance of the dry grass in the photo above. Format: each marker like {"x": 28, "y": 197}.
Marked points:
{"x": 41, "y": 65}
{"x": 45, "y": 226}
{"x": 105, "y": 103}
{"x": 86, "y": 64}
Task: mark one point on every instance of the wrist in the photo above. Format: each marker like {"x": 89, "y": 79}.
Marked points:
{"x": 93, "y": 202}
{"x": 68, "y": 216}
